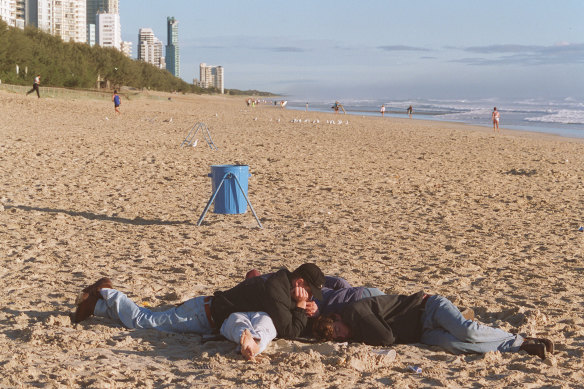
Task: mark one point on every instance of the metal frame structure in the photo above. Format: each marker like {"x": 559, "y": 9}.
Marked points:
{"x": 190, "y": 140}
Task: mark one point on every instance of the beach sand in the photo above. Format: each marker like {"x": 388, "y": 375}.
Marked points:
{"x": 489, "y": 221}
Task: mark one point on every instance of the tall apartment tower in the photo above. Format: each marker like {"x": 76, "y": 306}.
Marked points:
{"x": 66, "y": 18}
{"x": 150, "y": 48}
{"x": 108, "y": 30}
{"x": 211, "y": 77}
{"x": 172, "y": 52}
{"x": 13, "y": 12}
{"x": 126, "y": 48}
{"x": 93, "y": 8}
{"x": 8, "y": 11}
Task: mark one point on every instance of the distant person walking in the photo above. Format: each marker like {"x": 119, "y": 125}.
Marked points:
{"x": 410, "y": 111}
{"x": 382, "y": 110}
{"x": 117, "y": 101}
{"x": 496, "y": 116}
{"x": 306, "y": 110}
{"x": 35, "y": 86}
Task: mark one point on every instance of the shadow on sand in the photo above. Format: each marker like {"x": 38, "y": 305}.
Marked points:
{"x": 138, "y": 221}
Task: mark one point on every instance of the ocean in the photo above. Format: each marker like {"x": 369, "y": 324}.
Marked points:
{"x": 563, "y": 118}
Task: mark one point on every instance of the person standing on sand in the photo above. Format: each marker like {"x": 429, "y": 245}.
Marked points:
{"x": 410, "y": 111}
{"x": 117, "y": 101}
{"x": 382, "y": 110}
{"x": 35, "y": 86}
{"x": 495, "y": 116}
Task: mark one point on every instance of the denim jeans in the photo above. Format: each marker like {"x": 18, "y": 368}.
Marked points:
{"x": 258, "y": 323}
{"x": 444, "y": 326}
{"x": 188, "y": 317}
{"x": 371, "y": 292}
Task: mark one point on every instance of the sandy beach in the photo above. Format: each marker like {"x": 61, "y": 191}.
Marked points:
{"x": 490, "y": 222}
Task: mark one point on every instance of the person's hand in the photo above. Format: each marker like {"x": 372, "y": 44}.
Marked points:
{"x": 300, "y": 295}
{"x": 311, "y": 308}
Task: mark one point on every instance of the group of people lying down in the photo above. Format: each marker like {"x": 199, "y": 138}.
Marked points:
{"x": 306, "y": 303}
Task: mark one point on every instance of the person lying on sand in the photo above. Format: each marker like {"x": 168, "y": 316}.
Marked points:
{"x": 421, "y": 318}
{"x": 257, "y": 309}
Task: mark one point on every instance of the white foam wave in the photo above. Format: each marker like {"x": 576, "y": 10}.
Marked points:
{"x": 564, "y": 116}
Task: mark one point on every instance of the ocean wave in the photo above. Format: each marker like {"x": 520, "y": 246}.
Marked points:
{"x": 564, "y": 116}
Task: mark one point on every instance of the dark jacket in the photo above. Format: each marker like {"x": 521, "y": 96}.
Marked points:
{"x": 271, "y": 295}
{"x": 336, "y": 300}
{"x": 385, "y": 320}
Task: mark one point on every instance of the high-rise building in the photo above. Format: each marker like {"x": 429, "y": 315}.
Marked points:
{"x": 172, "y": 51}
{"x": 13, "y": 12}
{"x": 69, "y": 20}
{"x": 211, "y": 77}
{"x": 66, "y": 18}
{"x": 126, "y": 48}
{"x": 99, "y": 6}
{"x": 8, "y": 11}
{"x": 150, "y": 48}
{"x": 20, "y": 16}
{"x": 108, "y": 30}
{"x": 91, "y": 35}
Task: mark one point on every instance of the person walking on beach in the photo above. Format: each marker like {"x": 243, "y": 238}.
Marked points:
{"x": 382, "y": 110}
{"x": 410, "y": 111}
{"x": 496, "y": 116}
{"x": 35, "y": 86}
{"x": 117, "y": 101}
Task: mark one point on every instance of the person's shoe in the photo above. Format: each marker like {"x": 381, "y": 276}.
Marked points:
{"x": 468, "y": 314}
{"x": 87, "y": 299}
{"x": 549, "y": 345}
{"x": 537, "y": 346}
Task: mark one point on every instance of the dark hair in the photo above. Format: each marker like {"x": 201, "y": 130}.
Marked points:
{"x": 323, "y": 328}
{"x": 115, "y": 91}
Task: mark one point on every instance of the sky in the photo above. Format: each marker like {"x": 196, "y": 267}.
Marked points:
{"x": 373, "y": 49}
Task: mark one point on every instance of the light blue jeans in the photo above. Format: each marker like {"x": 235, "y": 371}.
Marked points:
{"x": 444, "y": 326}
{"x": 371, "y": 292}
{"x": 188, "y": 317}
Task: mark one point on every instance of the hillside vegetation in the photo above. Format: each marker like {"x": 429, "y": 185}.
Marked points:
{"x": 77, "y": 65}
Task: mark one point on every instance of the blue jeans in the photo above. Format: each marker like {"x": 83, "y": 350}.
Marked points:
{"x": 188, "y": 317}
{"x": 371, "y": 292}
{"x": 444, "y": 326}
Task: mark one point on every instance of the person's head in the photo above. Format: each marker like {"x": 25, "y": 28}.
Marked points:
{"x": 115, "y": 92}
{"x": 252, "y": 273}
{"x": 310, "y": 277}
{"x": 494, "y": 109}
{"x": 330, "y": 327}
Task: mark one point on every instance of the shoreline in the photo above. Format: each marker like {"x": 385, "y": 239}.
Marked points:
{"x": 476, "y": 127}
{"x": 547, "y": 128}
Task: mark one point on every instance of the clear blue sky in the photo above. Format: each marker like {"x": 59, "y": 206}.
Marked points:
{"x": 378, "y": 49}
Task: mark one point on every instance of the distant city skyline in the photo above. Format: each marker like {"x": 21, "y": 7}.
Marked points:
{"x": 378, "y": 49}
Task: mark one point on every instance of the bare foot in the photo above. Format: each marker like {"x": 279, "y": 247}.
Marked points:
{"x": 249, "y": 347}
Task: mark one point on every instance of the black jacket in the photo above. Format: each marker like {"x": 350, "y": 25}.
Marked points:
{"x": 385, "y": 320}
{"x": 271, "y": 295}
